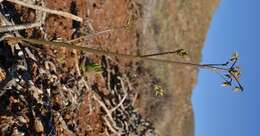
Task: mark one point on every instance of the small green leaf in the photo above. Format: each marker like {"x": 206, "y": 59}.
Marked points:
{"x": 94, "y": 67}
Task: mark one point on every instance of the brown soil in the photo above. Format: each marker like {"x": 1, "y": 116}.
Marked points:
{"x": 135, "y": 27}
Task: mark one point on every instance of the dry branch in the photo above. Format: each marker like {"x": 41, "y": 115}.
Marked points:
{"x": 108, "y": 113}
{"x": 9, "y": 28}
{"x": 56, "y": 12}
{"x": 111, "y": 127}
{"x": 119, "y": 104}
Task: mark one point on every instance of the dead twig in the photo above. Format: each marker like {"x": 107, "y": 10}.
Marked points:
{"x": 9, "y": 28}
{"x": 111, "y": 127}
{"x": 109, "y": 115}
{"x": 51, "y": 11}
{"x": 119, "y": 104}
{"x": 109, "y": 120}
{"x": 63, "y": 124}
{"x": 76, "y": 60}
{"x": 4, "y": 21}
{"x": 124, "y": 89}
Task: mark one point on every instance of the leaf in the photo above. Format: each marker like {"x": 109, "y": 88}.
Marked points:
{"x": 94, "y": 68}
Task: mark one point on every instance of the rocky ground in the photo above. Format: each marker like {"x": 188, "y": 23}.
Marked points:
{"x": 46, "y": 90}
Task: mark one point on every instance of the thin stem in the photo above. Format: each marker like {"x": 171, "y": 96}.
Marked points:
{"x": 240, "y": 86}
{"x": 157, "y": 54}
{"x": 213, "y": 67}
{"x": 102, "y": 52}
{"x": 234, "y": 64}
{"x": 223, "y": 64}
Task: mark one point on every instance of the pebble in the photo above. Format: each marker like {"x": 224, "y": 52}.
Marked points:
{"x": 20, "y": 53}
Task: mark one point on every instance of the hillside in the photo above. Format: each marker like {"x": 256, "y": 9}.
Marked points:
{"x": 168, "y": 25}
{"x": 55, "y": 91}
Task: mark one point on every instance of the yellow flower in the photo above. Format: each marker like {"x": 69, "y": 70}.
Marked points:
{"x": 158, "y": 90}
{"x": 182, "y": 52}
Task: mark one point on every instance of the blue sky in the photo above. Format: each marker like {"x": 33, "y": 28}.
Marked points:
{"x": 219, "y": 111}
